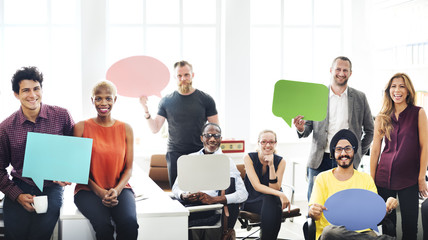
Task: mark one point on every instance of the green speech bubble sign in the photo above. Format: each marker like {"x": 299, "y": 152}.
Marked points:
{"x": 291, "y": 98}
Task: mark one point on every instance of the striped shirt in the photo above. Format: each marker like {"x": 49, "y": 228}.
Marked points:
{"x": 13, "y": 138}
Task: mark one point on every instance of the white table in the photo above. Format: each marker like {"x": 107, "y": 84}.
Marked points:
{"x": 159, "y": 217}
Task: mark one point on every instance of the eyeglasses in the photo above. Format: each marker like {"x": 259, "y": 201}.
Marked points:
{"x": 266, "y": 142}
{"x": 210, "y": 135}
{"x": 348, "y": 149}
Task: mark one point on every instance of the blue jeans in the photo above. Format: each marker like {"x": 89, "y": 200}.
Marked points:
{"x": 326, "y": 164}
{"x": 21, "y": 224}
{"x": 124, "y": 215}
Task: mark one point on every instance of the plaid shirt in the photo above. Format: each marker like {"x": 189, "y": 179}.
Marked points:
{"x": 13, "y": 138}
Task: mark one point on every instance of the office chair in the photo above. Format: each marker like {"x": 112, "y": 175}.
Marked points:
{"x": 249, "y": 220}
{"x": 309, "y": 229}
{"x": 158, "y": 171}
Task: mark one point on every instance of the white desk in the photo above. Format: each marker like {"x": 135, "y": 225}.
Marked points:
{"x": 159, "y": 217}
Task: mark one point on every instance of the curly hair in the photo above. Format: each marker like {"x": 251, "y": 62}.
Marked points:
{"x": 388, "y": 104}
{"x": 26, "y": 73}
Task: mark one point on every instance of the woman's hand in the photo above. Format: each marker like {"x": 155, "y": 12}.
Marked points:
{"x": 284, "y": 201}
{"x": 391, "y": 204}
{"x": 110, "y": 198}
{"x": 268, "y": 159}
{"x": 423, "y": 189}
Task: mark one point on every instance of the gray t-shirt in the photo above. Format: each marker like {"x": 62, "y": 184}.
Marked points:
{"x": 186, "y": 115}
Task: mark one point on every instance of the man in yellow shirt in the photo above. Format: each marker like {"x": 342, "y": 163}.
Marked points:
{"x": 343, "y": 146}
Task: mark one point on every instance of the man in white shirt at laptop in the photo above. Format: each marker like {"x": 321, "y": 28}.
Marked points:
{"x": 235, "y": 194}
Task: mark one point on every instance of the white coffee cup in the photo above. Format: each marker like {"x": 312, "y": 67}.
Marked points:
{"x": 40, "y": 203}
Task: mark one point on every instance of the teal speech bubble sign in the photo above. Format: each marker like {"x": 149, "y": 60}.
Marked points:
{"x": 57, "y": 158}
{"x": 291, "y": 98}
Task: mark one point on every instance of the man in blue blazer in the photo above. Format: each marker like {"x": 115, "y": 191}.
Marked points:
{"x": 347, "y": 109}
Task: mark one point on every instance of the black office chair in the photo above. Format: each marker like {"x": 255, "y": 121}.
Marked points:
{"x": 309, "y": 229}
{"x": 249, "y": 220}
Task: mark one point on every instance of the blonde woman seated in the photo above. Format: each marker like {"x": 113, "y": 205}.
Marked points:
{"x": 263, "y": 181}
{"x": 108, "y": 195}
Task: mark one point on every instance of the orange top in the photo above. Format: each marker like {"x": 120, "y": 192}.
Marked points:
{"x": 108, "y": 154}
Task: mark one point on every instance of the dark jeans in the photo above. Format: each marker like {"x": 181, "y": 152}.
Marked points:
{"x": 270, "y": 211}
{"x": 424, "y": 212}
{"x": 21, "y": 224}
{"x": 326, "y": 164}
{"x": 123, "y": 215}
{"x": 171, "y": 161}
{"x": 409, "y": 206}
{"x": 332, "y": 232}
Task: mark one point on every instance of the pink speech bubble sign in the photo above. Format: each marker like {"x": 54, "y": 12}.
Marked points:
{"x": 138, "y": 76}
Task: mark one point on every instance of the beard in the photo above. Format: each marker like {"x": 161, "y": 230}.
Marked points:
{"x": 344, "y": 165}
{"x": 184, "y": 87}
{"x": 341, "y": 84}
{"x": 210, "y": 149}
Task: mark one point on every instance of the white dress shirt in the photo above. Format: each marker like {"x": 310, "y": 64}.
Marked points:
{"x": 239, "y": 196}
{"x": 338, "y": 115}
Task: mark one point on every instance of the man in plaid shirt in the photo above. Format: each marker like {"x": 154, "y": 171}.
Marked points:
{"x": 20, "y": 219}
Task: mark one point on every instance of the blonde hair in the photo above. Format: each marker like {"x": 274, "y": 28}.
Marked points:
{"x": 106, "y": 85}
{"x": 388, "y": 104}
{"x": 263, "y": 132}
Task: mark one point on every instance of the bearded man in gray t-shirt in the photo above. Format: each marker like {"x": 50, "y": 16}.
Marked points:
{"x": 187, "y": 110}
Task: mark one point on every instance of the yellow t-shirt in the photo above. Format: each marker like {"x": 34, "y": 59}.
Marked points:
{"x": 326, "y": 184}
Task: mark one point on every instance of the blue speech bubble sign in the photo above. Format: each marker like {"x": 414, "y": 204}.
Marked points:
{"x": 57, "y": 158}
{"x": 356, "y": 209}
{"x": 291, "y": 98}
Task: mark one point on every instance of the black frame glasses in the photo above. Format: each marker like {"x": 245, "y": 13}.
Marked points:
{"x": 210, "y": 135}
{"x": 348, "y": 149}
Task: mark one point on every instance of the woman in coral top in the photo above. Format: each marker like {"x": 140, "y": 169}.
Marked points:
{"x": 400, "y": 168}
{"x": 108, "y": 195}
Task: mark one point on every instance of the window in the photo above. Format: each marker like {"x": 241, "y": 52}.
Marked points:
{"x": 399, "y": 44}
{"x": 45, "y": 34}
{"x": 168, "y": 30}
{"x": 291, "y": 40}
